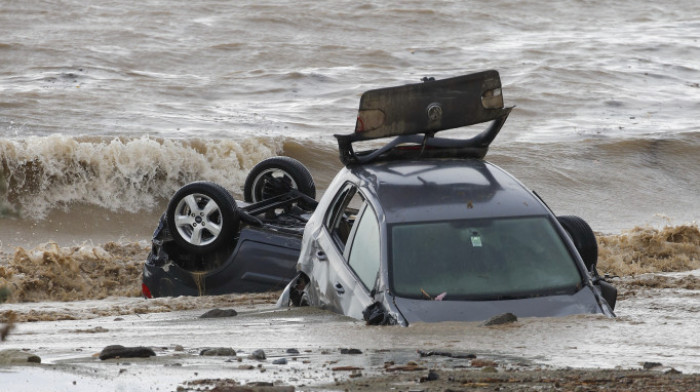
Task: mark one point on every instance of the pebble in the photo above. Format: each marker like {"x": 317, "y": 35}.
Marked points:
{"x": 651, "y": 365}
{"x": 218, "y": 352}
{"x": 258, "y": 354}
{"x": 118, "y": 351}
{"x": 504, "y": 318}
{"x": 432, "y": 376}
{"x": 217, "y": 313}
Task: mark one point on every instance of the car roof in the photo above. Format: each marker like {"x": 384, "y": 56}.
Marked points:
{"x": 444, "y": 189}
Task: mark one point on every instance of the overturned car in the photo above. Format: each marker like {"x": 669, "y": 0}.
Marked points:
{"x": 421, "y": 228}
{"x": 207, "y": 243}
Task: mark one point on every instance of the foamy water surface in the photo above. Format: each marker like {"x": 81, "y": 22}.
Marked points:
{"x": 117, "y": 104}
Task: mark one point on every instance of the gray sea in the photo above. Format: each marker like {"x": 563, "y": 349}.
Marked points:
{"x": 108, "y": 107}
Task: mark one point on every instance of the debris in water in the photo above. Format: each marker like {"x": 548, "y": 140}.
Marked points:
{"x": 218, "y": 352}
{"x": 446, "y": 354}
{"x": 504, "y": 318}
{"x": 119, "y": 351}
{"x": 651, "y": 365}
{"x": 217, "y": 313}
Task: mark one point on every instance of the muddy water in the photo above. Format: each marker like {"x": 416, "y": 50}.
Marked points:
{"x": 50, "y": 272}
{"x": 647, "y": 317}
{"x": 657, "y": 317}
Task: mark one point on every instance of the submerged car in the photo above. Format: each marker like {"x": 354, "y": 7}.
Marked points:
{"x": 423, "y": 229}
{"x": 419, "y": 229}
{"x": 207, "y": 243}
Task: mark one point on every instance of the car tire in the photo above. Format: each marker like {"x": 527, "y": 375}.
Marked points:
{"x": 276, "y": 176}
{"x": 583, "y": 237}
{"x": 202, "y": 217}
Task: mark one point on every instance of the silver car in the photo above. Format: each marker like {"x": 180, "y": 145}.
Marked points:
{"x": 424, "y": 229}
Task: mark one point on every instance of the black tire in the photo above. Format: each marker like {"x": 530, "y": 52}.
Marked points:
{"x": 583, "y": 238}
{"x": 276, "y": 176}
{"x": 202, "y": 217}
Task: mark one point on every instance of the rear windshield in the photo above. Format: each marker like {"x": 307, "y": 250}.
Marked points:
{"x": 480, "y": 260}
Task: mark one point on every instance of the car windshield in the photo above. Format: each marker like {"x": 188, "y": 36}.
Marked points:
{"x": 480, "y": 259}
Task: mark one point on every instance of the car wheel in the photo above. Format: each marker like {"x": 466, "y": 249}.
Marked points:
{"x": 202, "y": 216}
{"x": 276, "y": 176}
{"x": 583, "y": 237}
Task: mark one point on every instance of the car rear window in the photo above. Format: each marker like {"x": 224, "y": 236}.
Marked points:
{"x": 480, "y": 259}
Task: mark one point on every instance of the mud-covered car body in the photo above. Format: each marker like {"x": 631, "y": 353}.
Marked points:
{"x": 423, "y": 229}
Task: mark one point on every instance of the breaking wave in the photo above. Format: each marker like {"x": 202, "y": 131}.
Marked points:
{"x": 40, "y": 174}
{"x": 646, "y": 250}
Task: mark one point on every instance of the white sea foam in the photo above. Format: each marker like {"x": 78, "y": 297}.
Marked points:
{"x": 119, "y": 174}
{"x": 605, "y": 94}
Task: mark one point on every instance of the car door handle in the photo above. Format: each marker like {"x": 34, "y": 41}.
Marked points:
{"x": 321, "y": 255}
{"x": 339, "y": 288}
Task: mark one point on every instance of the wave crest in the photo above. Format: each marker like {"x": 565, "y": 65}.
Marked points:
{"x": 39, "y": 174}
{"x": 647, "y": 250}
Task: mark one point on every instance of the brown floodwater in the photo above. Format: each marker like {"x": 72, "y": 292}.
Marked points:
{"x": 74, "y": 332}
{"x": 67, "y": 303}
{"x": 50, "y": 272}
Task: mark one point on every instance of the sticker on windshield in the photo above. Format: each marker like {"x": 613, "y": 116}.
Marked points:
{"x": 476, "y": 240}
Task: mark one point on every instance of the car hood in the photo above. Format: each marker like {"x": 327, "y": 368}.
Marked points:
{"x": 416, "y": 310}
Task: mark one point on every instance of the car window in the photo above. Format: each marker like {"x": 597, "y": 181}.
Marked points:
{"x": 481, "y": 259}
{"x": 343, "y": 214}
{"x": 365, "y": 252}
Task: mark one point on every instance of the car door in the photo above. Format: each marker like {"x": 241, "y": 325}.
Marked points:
{"x": 363, "y": 257}
{"x": 340, "y": 289}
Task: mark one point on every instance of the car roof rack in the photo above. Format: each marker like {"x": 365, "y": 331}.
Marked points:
{"x": 414, "y": 113}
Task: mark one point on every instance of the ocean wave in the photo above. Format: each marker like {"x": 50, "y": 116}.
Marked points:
{"x": 645, "y": 250}
{"x": 41, "y": 174}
